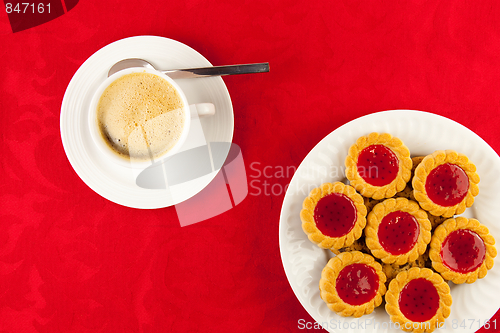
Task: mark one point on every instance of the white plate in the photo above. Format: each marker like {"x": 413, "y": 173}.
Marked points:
{"x": 116, "y": 183}
{"x": 423, "y": 133}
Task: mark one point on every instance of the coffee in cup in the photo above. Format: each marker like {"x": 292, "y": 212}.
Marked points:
{"x": 140, "y": 116}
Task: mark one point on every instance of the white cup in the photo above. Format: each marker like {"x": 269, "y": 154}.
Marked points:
{"x": 189, "y": 111}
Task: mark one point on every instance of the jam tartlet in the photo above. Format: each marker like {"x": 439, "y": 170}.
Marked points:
{"x": 333, "y": 215}
{"x": 445, "y": 183}
{"x": 352, "y": 284}
{"x": 378, "y": 165}
{"x": 397, "y": 231}
{"x": 462, "y": 250}
{"x": 418, "y": 300}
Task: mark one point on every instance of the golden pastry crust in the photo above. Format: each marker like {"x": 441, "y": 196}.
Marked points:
{"x": 309, "y": 225}
{"x": 358, "y": 245}
{"x": 436, "y": 220}
{"x": 375, "y": 218}
{"x": 416, "y": 161}
{"x": 327, "y": 284}
{"x": 407, "y": 192}
{"x": 397, "y": 147}
{"x": 392, "y": 270}
{"x": 429, "y": 163}
{"x": 393, "y": 294}
{"x": 370, "y": 203}
{"x": 440, "y": 235}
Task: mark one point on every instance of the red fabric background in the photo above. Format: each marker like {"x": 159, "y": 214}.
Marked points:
{"x": 71, "y": 261}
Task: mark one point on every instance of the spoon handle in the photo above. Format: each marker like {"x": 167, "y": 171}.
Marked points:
{"x": 217, "y": 71}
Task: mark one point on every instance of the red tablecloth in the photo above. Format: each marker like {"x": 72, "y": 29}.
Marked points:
{"x": 71, "y": 261}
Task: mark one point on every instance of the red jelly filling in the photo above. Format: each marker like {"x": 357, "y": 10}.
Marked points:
{"x": 463, "y": 251}
{"x": 335, "y": 215}
{"x": 398, "y": 232}
{"x": 377, "y": 165}
{"x": 447, "y": 185}
{"x": 357, "y": 284}
{"x": 419, "y": 300}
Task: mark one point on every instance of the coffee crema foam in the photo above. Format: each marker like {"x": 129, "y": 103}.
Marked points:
{"x": 140, "y": 116}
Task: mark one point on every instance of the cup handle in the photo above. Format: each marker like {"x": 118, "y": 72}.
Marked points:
{"x": 202, "y": 109}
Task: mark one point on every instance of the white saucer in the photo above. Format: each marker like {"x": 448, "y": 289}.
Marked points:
{"x": 422, "y": 133}
{"x": 118, "y": 184}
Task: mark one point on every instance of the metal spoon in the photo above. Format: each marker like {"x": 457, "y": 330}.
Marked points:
{"x": 193, "y": 72}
